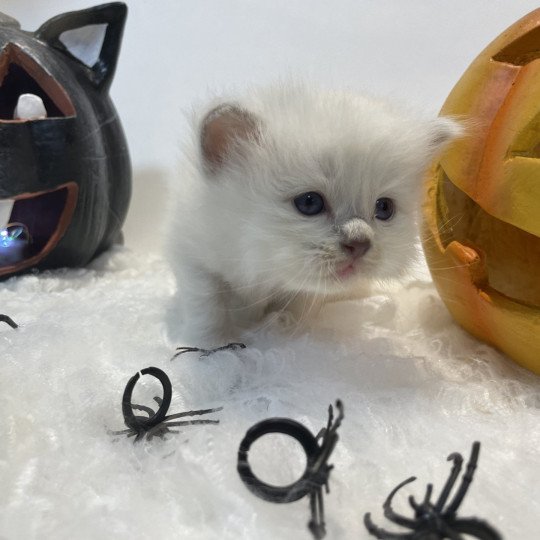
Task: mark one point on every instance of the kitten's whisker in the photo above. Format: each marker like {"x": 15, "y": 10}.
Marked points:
{"x": 303, "y": 312}
{"x": 313, "y": 298}
{"x": 443, "y": 268}
{"x": 283, "y": 308}
{"x": 450, "y": 222}
{"x": 274, "y": 293}
{"x": 254, "y": 285}
{"x": 240, "y": 259}
{"x": 444, "y": 227}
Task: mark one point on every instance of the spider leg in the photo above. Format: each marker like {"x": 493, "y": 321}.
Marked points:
{"x": 454, "y": 473}
{"x": 477, "y": 528}
{"x": 8, "y": 320}
{"x": 143, "y": 408}
{"x": 329, "y": 422}
{"x": 328, "y": 436}
{"x": 192, "y": 422}
{"x": 414, "y": 505}
{"x": 316, "y": 524}
{"x": 465, "y": 480}
{"x": 418, "y": 507}
{"x": 192, "y": 413}
{"x": 161, "y": 429}
{"x": 394, "y": 516}
{"x": 183, "y": 350}
{"x": 228, "y": 347}
{"x": 122, "y": 432}
{"x": 381, "y": 533}
{"x": 208, "y": 352}
{"x": 429, "y": 491}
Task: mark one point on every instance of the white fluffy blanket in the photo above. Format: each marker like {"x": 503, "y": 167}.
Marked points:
{"x": 415, "y": 388}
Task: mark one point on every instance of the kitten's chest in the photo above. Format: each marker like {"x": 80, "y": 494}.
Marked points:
{"x": 247, "y": 305}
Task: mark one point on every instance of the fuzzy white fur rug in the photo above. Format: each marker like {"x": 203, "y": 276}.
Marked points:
{"x": 414, "y": 385}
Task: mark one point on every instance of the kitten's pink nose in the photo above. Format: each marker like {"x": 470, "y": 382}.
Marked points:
{"x": 356, "y": 248}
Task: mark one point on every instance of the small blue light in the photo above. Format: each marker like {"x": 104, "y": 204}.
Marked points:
{"x": 12, "y": 234}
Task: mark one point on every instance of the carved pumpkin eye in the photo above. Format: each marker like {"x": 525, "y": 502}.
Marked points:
{"x": 21, "y": 75}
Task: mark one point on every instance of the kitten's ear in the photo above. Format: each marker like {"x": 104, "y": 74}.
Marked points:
{"x": 221, "y": 130}
{"x": 91, "y": 36}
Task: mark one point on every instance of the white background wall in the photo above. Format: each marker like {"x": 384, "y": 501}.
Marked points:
{"x": 174, "y": 51}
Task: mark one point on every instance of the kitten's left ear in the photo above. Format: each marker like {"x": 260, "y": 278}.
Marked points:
{"x": 91, "y": 36}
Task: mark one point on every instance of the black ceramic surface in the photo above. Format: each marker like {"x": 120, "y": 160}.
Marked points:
{"x": 69, "y": 173}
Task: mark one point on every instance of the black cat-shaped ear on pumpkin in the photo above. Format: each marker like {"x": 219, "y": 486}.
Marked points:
{"x": 90, "y": 36}
{"x": 6, "y": 20}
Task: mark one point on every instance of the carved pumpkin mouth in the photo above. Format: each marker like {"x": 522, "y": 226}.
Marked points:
{"x": 500, "y": 256}
{"x": 34, "y": 224}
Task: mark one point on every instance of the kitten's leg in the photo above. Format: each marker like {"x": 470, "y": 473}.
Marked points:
{"x": 199, "y": 314}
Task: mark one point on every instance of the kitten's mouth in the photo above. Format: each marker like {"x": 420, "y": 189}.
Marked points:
{"x": 346, "y": 270}
{"x": 32, "y": 224}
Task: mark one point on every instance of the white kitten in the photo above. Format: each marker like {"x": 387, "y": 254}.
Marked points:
{"x": 293, "y": 196}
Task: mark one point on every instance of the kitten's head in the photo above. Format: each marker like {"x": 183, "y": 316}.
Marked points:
{"x": 317, "y": 190}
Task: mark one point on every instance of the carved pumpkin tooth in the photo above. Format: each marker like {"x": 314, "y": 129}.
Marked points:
{"x": 6, "y": 206}
{"x": 29, "y": 107}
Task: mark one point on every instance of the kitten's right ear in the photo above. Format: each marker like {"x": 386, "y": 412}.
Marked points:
{"x": 221, "y": 131}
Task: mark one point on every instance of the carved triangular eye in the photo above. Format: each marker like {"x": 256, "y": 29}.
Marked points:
{"x": 20, "y": 74}
{"x": 522, "y": 51}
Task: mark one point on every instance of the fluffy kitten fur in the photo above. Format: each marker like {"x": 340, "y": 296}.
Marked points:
{"x": 241, "y": 248}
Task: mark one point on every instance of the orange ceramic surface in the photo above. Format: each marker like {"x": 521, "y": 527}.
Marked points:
{"x": 481, "y": 231}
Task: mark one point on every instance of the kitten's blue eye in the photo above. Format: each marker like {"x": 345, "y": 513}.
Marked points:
{"x": 310, "y": 203}
{"x": 384, "y": 208}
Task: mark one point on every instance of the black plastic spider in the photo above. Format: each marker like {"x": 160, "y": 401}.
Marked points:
{"x": 157, "y": 423}
{"x": 316, "y": 475}
{"x": 8, "y": 320}
{"x": 434, "y": 521}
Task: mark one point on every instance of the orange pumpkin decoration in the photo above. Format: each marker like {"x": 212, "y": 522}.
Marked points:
{"x": 481, "y": 231}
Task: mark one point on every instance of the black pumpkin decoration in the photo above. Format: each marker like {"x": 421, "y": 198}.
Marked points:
{"x": 65, "y": 173}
